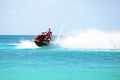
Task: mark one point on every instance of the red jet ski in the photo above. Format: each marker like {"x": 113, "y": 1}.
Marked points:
{"x": 44, "y": 39}
{"x": 40, "y": 40}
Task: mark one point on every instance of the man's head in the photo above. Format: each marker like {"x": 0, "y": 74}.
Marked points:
{"x": 49, "y": 29}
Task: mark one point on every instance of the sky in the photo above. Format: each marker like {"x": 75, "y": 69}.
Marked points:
{"x": 31, "y": 17}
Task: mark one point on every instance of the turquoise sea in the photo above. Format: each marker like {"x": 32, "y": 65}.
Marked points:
{"x": 21, "y": 59}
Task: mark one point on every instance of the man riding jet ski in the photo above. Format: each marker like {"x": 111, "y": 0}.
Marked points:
{"x": 43, "y": 39}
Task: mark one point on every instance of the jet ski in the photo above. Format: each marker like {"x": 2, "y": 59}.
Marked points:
{"x": 41, "y": 40}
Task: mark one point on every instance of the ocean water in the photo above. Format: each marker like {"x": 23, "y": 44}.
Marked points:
{"x": 21, "y": 59}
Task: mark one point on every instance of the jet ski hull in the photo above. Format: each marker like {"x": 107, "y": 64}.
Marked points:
{"x": 42, "y": 43}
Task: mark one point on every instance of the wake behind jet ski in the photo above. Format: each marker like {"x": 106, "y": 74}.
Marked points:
{"x": 43, "y": 39}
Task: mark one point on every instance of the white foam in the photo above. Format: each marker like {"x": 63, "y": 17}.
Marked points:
{"x": 91, "y": 39}
{"x": 26, "y": 44}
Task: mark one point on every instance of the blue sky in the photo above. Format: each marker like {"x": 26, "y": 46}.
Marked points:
{"x": 35, "y": 16}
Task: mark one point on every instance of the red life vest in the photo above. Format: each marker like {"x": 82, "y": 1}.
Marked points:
{"x": 48, "y": 35}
